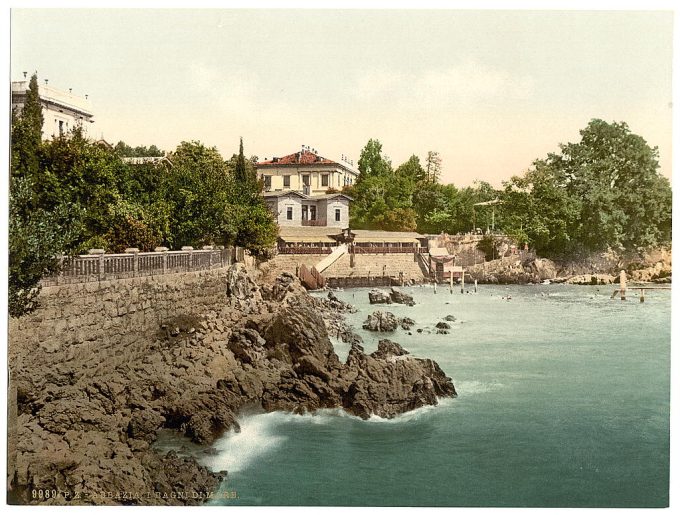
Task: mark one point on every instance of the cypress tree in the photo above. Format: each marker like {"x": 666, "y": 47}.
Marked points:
{"x": 241, "y": 173}
{"x": 27, "y": 134}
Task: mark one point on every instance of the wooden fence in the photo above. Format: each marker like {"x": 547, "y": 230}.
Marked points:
{"x": 105, "y": 267}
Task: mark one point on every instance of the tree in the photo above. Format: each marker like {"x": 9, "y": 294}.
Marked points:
{"x": 39, "y": 231}
{"x": 433, "y": 166}
{"x": 602, "y": 192}
{"x": 412, "y": 170}
{"x": 198, "y": 190}
{"x": 372, "y": 163}
{"x": 245, "y": 176}
{"x": 27, "y": 134}
{"x": 398, "y": 219}
{"x": 537, "y": 210}
{"x": 124, "y": 150}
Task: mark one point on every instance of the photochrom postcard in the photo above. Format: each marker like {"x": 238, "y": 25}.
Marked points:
{"x": 339, "y": 257}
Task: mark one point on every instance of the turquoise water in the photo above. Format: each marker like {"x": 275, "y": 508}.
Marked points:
{"x": 563, "y": 401}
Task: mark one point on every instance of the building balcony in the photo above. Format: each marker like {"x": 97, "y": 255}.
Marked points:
{"x": 313, "y": 223}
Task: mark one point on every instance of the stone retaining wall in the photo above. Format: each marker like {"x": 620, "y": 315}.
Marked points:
{"x": 364, "y": 265}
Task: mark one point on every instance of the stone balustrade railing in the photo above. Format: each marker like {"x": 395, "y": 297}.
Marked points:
{"x": 98, "y": 266}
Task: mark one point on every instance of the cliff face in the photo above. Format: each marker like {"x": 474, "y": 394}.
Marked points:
{"x": 85, "y": 408}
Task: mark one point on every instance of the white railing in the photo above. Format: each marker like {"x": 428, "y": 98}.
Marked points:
{"x": 106, "y": 267}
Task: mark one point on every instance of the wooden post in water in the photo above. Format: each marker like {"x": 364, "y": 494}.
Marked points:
{"x": 622, "y": 284}
{"x": 451, "y": 282}
{"x": 435, "y": 286}
{"x": 462, "y": 282}
{"x": 475, "y": 285}
{"x": 642, "y": 295}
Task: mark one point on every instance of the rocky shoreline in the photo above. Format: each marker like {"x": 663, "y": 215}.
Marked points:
{"x": 652, "y": 267}
{"x": 88, "y": 440}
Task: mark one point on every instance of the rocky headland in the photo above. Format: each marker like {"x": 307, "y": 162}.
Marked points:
{"x": 78, "y": 437}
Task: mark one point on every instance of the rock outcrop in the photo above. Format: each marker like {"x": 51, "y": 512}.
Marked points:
{"x": 399, "y": 297}
{"x": 594, "y": 279}
{"x": 393, "y": 296}
{"x": 389, "y": 381}
{"x": 379, "y": 297}
{"x": 381, "y": 321}
{"x": 86, "y": 431}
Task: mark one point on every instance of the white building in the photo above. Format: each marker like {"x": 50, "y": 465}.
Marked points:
{"x": 62, "y": 110}
{"x": 306, "y": 172}
{"x": 292, "y": 208}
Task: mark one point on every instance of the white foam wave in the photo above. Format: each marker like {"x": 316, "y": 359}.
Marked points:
{"x": 236, "y": 450}
{"x": 465, "y": 388}
{"x": 415, "y": 414}
{"x": 260, "y": 434}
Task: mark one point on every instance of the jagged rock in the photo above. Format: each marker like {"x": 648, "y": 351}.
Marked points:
{"x": 450, "y": 318}
{"x": 442, "y": 325}
{"x": 144, "y": 423}
{"x": 240, "y": 285}
{"x": 284, "y": 286}
{"x": 247, "y": 345}
{"x": 299, "y": 330}
{"x": 406, "y": 323}
{"x": 543, "y": 269}
{"x": 86, "y": 414}
{"x": 387, "y": 348}
{"x": 400, "y": 297}
{"x": 381, "y": 321}
{"x": 390, "y": 385}
{"x": 333, "y": 303}
{"x": 585, "y": 279}
{"x": 379, "y": 297}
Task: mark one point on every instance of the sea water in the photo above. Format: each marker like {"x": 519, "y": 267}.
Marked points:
{"x": 563, "y": 400}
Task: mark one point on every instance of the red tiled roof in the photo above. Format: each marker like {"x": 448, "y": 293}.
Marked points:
{"x": 303, "y": 157}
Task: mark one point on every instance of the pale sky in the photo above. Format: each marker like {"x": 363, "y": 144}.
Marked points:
{"x": 489, "y": 90}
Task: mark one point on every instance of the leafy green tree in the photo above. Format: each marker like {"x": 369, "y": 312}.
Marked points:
{"x": 124, "y": 150}
{"x": 216, "y": 202}
{"x": 85, "y": 175}
{"x": 398, "y": 219}
{"x": 39, "y": 231}
{"x": 197, "y": 189}
{"x": 412, "y": 170}
{"x": 427, "y": 199}
{"x": 372, "y": 162}
{"x": 255, "y": 228}
{"x": 602, "y": 192}
{"x": 538, "y": 211}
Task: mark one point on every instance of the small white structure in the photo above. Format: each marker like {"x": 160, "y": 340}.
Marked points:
{"x": 292, "y": 208}
{"x": 62, "y": 110}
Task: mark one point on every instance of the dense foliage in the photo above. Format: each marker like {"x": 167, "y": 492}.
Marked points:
{"x": 411, "y": 198}
{"x": 69, "y": 194}
{"x": 603, "y": 192}
{"x": 125, "y": 150}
